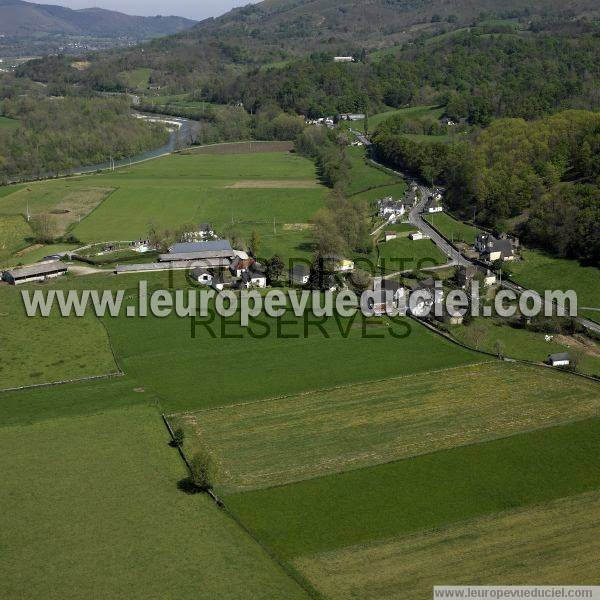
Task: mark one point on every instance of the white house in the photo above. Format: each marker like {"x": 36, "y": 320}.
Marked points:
{"x": 389, "y": 298}
{"x": 390, "y": 235}
{"x": 390, "y": 209}
{"x": 416, "y": 236}
{"x": 343, "y": 265}
{"x": 255, "y": 276}
{"x": 343, "y": 59}
{"x": 433, "y": 204}
{"x": 353, "y": 117}
{"x": 559, "y": 360}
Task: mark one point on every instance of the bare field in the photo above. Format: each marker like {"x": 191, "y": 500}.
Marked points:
{"x": 279, "y": 441}
{"x": 555, "y": 544}
{"x": 244, "y": 148}
{"x": 274, "y": 184}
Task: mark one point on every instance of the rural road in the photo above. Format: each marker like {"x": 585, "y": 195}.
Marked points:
{"x": 417, "y": 219}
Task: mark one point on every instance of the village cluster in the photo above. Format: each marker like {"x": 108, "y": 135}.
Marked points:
{"x": 214, "y": 263}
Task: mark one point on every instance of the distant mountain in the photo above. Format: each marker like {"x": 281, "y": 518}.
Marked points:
{"x": 25, "y": 19}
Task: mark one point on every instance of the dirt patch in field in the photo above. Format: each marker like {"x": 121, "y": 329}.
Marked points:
{"x": 245, "y": 148}
{"x": 28, "y": 249}
{"x": 77, "y": 205}
{"x": 298, "y": 226}
{"x": 81, "y": 65}
{"x": 273, "y": 184}
{"x": 584, "y": 344}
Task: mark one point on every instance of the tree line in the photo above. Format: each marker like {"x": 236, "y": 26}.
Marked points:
{"x": 540, "y": 178}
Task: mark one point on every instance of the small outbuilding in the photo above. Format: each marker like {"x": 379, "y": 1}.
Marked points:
{"x": 562, "y": 359}
{"x": 300, "y": 274}
{"x": 201, "y": 276}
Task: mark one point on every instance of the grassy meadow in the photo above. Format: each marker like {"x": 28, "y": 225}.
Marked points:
{"x": 6, "y": 123}
{"x": 138, "y": 79}
{"x": 365, "y": 177}
{"x": 541, "y": 272}
{"x": 426, "y": 492}
{"x": 274, "y": 442}
{"x": 14, "y": 231}
{"x": 91, "y": 508}
{"x": 557, "y": 542}
{"x": 193, "y": 373}
{"x": 453, "y": 229}
{"x": 267, "y": 192}
{"x": 403, "y": 254}
{"x": 529, "y": 345}
{"x": 43, "y": 350}
{"x": 414, "y": 112}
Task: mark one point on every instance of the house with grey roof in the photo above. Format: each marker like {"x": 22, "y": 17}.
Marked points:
{"x": 492, "y": 249}
{"x": 201, "y": 275}
{"x": 300, "y": 274}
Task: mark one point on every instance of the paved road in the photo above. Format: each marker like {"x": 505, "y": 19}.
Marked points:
{"x": 416, "y": 217}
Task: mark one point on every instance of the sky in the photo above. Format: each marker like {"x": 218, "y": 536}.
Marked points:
{"x": 192, "y": 9}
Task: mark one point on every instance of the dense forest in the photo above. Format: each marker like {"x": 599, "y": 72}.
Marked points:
{"x": 480, "y": 73}
{"x": 539, "y": 177}
{"x": 479, "y": 77}
{"x": 56, "y": 134}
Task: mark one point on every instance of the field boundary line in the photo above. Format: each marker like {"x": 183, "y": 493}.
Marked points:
{"x": 63, "y": 382}
{"x": 332, "y": 389}
{"x": 288, "y": 570}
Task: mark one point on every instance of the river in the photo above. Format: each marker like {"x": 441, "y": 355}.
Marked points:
{"x": 179, "y": 128}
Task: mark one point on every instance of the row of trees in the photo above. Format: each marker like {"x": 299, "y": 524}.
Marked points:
{"x": 328, "y": 149}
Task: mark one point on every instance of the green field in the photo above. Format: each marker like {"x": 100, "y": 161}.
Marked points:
{"x": 90, "y": 508}
{"x": 34, "y": 253}
{"x": 403, "y": 254}
{"x": 42, "y": 350}
{"x": 6, "y": 190}
{"x": 541, "y": 272}
{"x": 557, "y": 543}
{"x": 452, "y": 229}
{"x": 414, "y": 112}
{"x": 14, "y": 230}
{"x": 203, "y": 372}
{"x": 138, "y": 79}
{"x": 425, "y": 492}
{"x": 266, "y": 192}
{"x": 6, "y": 123}
{"x": 396, "y": 191}
{"x": 274, "y": 442}
{"x": 365, "y": 177}
{"x": 529, "y": 345}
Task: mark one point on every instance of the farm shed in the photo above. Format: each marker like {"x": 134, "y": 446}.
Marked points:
{"x": 38, "y": 272}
